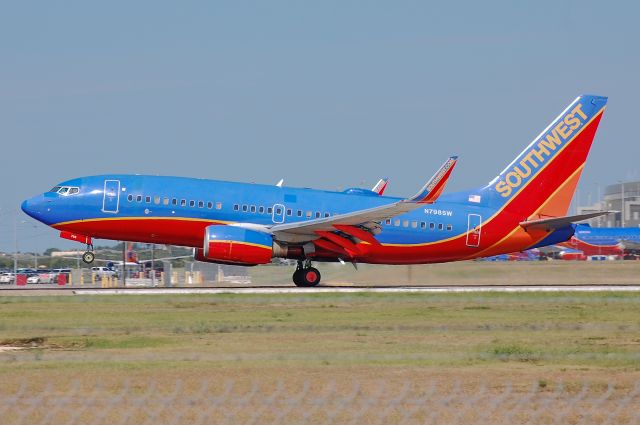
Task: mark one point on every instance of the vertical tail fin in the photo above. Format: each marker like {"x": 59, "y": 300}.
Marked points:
{"x": 542, "y": 180}
{"x": 380, "y": 186}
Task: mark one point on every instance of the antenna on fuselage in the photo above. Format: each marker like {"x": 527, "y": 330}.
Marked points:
{"x": 279, "y": 184}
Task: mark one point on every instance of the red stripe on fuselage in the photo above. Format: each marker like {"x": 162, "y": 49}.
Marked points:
{"x": 174, "y": 231}
{"x": 593, "y": 249}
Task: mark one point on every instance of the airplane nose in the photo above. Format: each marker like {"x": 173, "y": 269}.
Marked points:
{"x": 25, "y": 207}
{"x": 33, "y": 207}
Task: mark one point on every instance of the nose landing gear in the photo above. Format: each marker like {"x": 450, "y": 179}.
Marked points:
{"x": 89, "y": 256}
{"x": 305, "y": 275}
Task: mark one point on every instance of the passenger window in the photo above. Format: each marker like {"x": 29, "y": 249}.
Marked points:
{"x": 253, "y": 208}
{"x": 236, "y": 207}
{"x": 174, "y": 201}
{"x": 414, "y": 224}
{"x": 200, "y": 204}
{"x": 147, "y": 199}
{"x": 192, "y": 203}
{"x": 423, "y": 225}
{"x": 317, "y": 214}
{"x": 289, "y": 212}
{"x": 326, "y": 215}
{"x": 209, "y": 205}
{"x": 218, "y": 205}
{"x": 130, "y": 198}
{"x": 183, "y": 202}
{"x": 278, "y": 210}
{"x": 139, "y": 198}
{"x": 245, "y": 208}
{"x": 439, "y": 226}
{"x": 261, "y": 209}
{"x": 309, "y": 214}
{"x": 449, "y": 227}
{"x": 269, "y": 210}
{"x": 165, "y": 201}
{"x": 299, "y": 213}
{"x": 396, "y": 222}
{"x": 432, "y": 226}
{"x": 388, "y": 221}
{"x": 405, "y": 223}
{"x": 156, "y": 200}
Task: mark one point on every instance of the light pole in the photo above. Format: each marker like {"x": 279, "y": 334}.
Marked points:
{"x": 15, "y": 251}
{"x": 622, "y": 202}
{"x": 153, "y": 266}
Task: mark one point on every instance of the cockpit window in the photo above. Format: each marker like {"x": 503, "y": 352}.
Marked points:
{"x": 65, "y": 190}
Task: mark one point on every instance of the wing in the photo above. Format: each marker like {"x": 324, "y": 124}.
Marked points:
{"x": 629, "y": 245}
{"x": 367, "y": 218}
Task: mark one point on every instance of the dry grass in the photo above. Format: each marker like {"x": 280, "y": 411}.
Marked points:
{"x": 467, "y": 273}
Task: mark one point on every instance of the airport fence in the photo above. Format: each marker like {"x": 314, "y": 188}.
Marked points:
{"x": 295, "y": 402}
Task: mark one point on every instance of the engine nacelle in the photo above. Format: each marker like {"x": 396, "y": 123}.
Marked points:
{"x": 235, "y": 245}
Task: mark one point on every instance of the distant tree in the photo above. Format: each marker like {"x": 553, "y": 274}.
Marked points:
{"x": 48, "y": 251}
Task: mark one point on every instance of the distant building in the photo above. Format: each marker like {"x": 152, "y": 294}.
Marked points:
{"x": 629, "y": 216}
{"x": 66, "y": 253}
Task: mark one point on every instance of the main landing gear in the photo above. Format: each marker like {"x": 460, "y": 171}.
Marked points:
{"x": 89, "y": 256}
{"x": 305, "y": 275}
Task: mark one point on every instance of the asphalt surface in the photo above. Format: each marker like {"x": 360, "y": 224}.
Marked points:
{"x": 42, "y": 290}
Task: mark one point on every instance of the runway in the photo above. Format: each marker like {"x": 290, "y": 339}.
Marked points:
{"x": 361, "y": 289}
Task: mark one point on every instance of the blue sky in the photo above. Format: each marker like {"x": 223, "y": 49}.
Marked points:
{"x": 325, "y": 94}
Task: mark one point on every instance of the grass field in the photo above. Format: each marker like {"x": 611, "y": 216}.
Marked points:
{"x": 487, "y": 339}
{"x": 528, "y": 332}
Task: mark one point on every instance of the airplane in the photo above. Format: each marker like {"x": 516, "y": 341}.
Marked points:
{"x": 604, "y": 241}
{"x": 524, "y": 207}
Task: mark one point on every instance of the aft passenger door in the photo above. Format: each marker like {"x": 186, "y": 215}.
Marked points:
{"x": 474, "y": 229}
{"x": 111, "y": 199}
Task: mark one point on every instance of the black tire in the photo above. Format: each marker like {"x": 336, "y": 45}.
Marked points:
{"x": 88, "y": 257}
{"x": 306, "y": 277}
{"x": 297, "y": 277}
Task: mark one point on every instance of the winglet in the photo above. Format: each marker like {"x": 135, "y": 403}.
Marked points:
{"x": 434, "y": 187}
{"x": 380, "y": 186}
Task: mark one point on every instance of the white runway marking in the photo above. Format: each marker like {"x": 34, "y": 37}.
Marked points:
{"x": 329, "y": 289}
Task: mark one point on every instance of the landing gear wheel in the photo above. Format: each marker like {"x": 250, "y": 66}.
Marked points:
{"x": 306, "y": 277}
{"x": 88, "y": 257}
{"x": 311, "y": 276}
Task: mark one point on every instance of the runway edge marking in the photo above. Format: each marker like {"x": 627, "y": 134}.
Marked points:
{"x": 319, "y": 290}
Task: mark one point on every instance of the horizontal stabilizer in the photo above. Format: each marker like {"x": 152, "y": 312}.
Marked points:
{"x": 553, "y": 223}
{"x": 629, "y": 245}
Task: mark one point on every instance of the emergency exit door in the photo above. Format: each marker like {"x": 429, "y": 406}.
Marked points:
{"x": 474, "y": 229}
{"x": 111, "y": 199}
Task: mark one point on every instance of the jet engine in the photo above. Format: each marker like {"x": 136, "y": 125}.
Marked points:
{"x": 235, "y": 245}
{"x": 247, "y": 247}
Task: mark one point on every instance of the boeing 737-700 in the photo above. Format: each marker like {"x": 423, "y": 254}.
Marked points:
{"x": 524, "y": 207}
